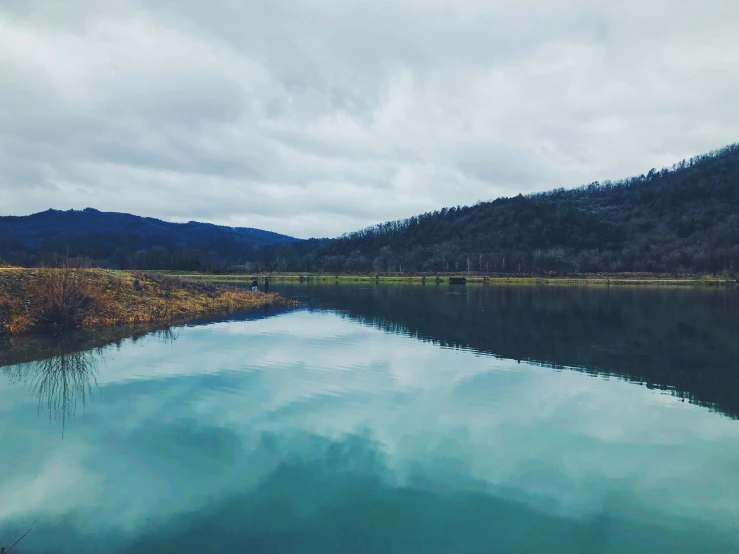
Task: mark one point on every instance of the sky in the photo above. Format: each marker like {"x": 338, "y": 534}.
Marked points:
{"x": 318, "y": 117}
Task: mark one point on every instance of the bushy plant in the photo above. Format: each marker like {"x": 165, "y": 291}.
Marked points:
{"x": 61, "y": 298}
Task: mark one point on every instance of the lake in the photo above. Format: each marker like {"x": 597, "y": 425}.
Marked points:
{"x": 385, "y": 419}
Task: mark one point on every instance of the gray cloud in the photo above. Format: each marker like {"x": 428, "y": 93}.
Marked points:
{"x": 314, "y": 117}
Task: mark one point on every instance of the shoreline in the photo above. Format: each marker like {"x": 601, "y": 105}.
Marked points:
{"x": 63, "y": 299}
{"x": 444, "y": 278}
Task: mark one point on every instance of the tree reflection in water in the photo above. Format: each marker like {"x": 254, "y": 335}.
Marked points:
{"x": 62, "y": 371}
{"x": 65, "y": 381}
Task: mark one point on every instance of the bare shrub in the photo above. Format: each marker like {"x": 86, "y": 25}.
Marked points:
{"x": 62, "y": 297}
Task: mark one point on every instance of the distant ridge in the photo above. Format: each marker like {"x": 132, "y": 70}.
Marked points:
{"x": 121, "y": 240}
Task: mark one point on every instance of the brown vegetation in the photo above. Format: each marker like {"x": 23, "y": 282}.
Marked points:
{"x": 80, "y": 298}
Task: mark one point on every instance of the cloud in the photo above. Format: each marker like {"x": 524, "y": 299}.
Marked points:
{"x": 315, "y": 117}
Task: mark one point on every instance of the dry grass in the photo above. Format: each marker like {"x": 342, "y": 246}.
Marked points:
{"x": 78, "y": 298}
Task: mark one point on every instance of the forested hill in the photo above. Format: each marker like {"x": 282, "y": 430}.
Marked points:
{"x": 129, "y": 241}
{"x": 681, "y": 219}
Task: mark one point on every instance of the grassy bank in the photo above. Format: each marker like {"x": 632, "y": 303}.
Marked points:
{"x": 444, "y": 278}
{"x": 71, "y": 298}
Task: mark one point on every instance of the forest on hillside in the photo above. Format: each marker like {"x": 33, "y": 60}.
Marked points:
{"x": 683, "y": 219}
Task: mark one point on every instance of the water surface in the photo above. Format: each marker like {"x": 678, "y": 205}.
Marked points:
{"x": 386, "y": 419}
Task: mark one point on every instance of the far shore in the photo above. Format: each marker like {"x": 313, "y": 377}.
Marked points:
{"x": 650, "y": 279}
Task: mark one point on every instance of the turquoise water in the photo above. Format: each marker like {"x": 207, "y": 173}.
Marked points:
{"x": 383, "y": 420}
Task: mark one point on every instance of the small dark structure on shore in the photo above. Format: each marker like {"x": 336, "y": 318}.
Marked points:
{"x": 457, "y": 280}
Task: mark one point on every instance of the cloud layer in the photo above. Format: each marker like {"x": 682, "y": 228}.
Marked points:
{"x": 315, "y": 117}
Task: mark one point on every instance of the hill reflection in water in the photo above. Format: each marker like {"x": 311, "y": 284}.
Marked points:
{"x": 685, "y": 340}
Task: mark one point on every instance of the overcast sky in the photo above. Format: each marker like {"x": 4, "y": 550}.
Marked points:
{"x": 315, "y": 117}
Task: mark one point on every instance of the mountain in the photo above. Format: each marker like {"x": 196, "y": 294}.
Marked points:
{"x": 681, "y": 219}
{"x": 125, "y": 240}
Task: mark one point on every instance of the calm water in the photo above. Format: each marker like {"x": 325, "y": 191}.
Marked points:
{"x": 386, "y": 419}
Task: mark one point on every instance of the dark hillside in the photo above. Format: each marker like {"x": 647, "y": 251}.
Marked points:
{"x": 681, "y": 219}
{"x": 129, "y": 241}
